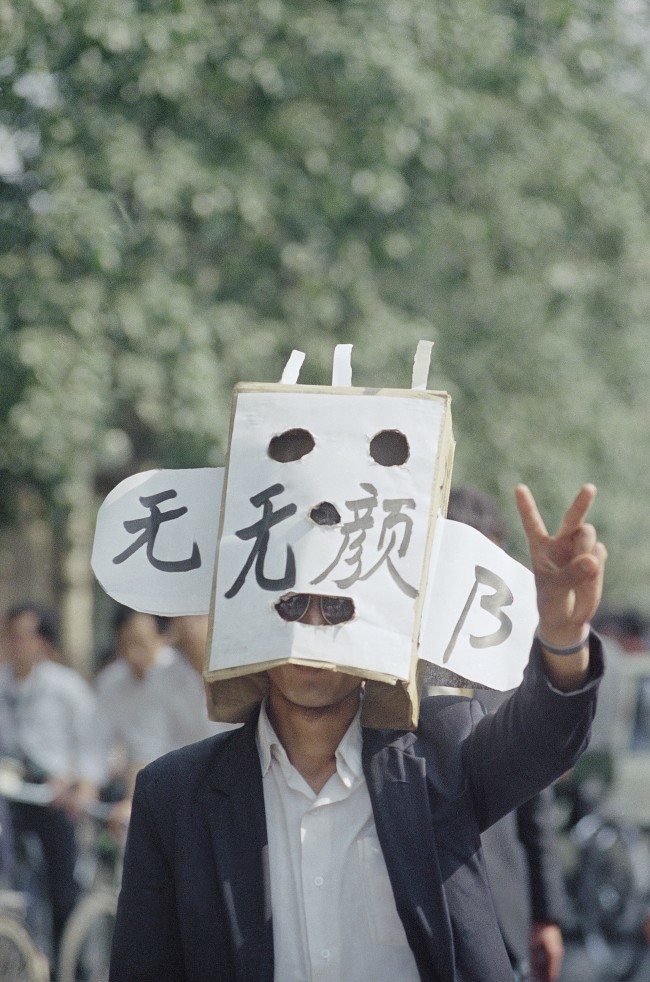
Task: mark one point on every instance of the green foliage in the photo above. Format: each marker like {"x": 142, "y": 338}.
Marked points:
{"x": 189, "y": 189}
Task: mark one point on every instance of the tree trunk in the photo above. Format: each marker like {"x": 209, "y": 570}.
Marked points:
{"x": 78, "y": 581}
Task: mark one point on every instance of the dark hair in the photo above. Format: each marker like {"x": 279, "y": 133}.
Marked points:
{"x": 473, "y": 507}
{"x": 47, "y": 622}
{"x": 124, "y": 614}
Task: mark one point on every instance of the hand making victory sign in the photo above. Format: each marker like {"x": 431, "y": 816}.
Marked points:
{"x": 568, "y": 569}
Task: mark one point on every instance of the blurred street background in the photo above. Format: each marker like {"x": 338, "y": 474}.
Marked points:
{"x": 190, "y": 189}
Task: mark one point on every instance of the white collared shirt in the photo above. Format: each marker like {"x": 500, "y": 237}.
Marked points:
{"x": 334, "y": 914}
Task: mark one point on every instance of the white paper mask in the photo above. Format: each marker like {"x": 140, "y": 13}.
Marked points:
{"x": 335, "y": 522}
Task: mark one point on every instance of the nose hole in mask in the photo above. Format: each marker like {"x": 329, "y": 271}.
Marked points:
{"x": 325, "y": 514}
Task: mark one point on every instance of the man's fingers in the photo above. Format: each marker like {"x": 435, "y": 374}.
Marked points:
{"x": 587, "y": 566}
{"x": 600, "y": 551}
{"x": 529, "y": 513}
{"x": 576, "y": 513}
{"x": 580, "y": 569}
{"x": 584, "y": 539}
{"x": 572, "y": 556}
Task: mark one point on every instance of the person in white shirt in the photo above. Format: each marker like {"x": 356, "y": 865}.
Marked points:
{"x": 305, "y": 847}
{"x": 47, "y": 717}
{"x": 150, "y": 699}
{"x": 330, "y": 892}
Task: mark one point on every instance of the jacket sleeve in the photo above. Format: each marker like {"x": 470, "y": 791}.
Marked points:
{"x": 536, "y": 830}
{"x": 533, "y": 737}
{"x": 146, "y": 941}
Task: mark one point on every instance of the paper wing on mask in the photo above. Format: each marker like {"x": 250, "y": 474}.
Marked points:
{"x": 156, "y": 538}
{"x": 480, "y": 611}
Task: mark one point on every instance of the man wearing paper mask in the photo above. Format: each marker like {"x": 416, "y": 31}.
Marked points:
{"x": 336, "y": 835}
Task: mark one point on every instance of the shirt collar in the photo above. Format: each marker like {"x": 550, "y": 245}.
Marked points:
{"x": 266, "y": 739}
{"x": 348, "y": 752}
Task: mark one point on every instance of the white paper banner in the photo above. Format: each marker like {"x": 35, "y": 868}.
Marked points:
{"x": 156, "y": 538}
{"x": 480, "y": 611}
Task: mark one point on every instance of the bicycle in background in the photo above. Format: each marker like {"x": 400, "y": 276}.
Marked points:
{"x": 607, "y": 872}
{"x": 20, "y": 959}
{"x": 86, "y": 943}
{"x": 84, "y": 951}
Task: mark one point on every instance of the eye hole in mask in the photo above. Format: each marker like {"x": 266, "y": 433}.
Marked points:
{"x": 291, "y": 445}
{"x": 389, "y": 448}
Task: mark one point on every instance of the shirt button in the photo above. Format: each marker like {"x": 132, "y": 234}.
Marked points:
{"x": 318, "y": 880}
{"x": 325, "y": 953}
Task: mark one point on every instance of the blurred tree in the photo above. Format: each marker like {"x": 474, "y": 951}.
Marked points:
{"x": 190, "y": 189}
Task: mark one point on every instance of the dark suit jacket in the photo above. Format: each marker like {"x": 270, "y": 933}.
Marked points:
{"x": 195, "y": 901}
{"x": 524, "y": 872}
{"x": 523, "y": 865}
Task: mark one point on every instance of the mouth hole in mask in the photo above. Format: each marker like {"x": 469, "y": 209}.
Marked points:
{"x": 335, "y": 610}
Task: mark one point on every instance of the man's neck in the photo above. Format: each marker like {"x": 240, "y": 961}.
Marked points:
{"x": 311, "y": 736}
{"x": 141, "y": 669}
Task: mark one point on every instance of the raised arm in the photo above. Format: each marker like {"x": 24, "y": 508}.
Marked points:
{"x": 568, "y": 568}
{"x": 541, "y": 730}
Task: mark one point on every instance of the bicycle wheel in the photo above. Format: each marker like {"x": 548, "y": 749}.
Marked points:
{"x": 615, "y": 958}
{"x": 86, "y": 943}
{"x": 20, "y": 960}
{"x": 612, "y": 890}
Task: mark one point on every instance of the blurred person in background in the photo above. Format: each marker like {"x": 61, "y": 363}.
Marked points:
{"x": 622, "y": 721}
{"x": 51, "y": 639}
{"x": 520, "y": 850}
{"x": 151, "y": 698}
{"x": 47, "y": 719}
{"x": 623, "y": 633}
{"x": 48, "y": 630}
{"x": 627, "y": 628}
{"x": 190, "y": 636}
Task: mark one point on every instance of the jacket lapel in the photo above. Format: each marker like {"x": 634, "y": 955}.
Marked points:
{"x": 234, "y": 800}
{"x": 396, "y": 778}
